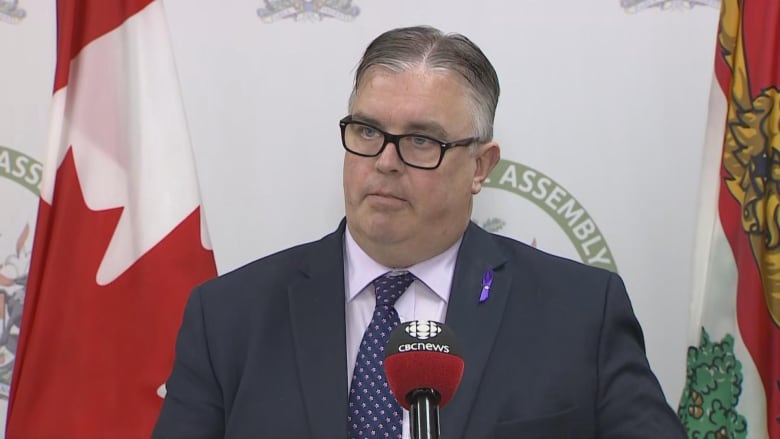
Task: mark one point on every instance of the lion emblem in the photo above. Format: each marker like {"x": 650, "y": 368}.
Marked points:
{"x": 751, "y": 159}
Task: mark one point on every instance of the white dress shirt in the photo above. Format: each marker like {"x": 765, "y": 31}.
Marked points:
{"x": 425, "y": 299}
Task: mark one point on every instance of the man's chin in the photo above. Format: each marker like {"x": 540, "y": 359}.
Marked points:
{"x": 386, "y": 233}
{"x": 380, "y": 229}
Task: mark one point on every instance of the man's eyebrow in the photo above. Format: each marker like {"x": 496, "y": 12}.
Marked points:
{"x": 358, "y": 117}
{"x": 428, "y": 128}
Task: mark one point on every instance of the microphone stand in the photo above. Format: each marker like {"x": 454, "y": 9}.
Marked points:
{"x": 424, "y": 413}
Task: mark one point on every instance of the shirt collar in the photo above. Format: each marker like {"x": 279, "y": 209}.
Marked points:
{"x": 361, "y": 269}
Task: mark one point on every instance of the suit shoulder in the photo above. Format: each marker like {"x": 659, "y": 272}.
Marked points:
{"x": 524, "y": 250}
{"x": 552, "y": 268}
{"x": 566, "y": 286}
{"x": 275, "y": 271}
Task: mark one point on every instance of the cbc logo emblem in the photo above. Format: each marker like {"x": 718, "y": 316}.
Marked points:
{"x": 423, "y": 330}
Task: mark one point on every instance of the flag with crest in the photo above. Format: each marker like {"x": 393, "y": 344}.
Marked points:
{"x": 732, "y": 387}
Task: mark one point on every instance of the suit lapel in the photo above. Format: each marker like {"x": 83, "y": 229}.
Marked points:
{"x": 317, "y": 317}
{"x": 475, "y": 324}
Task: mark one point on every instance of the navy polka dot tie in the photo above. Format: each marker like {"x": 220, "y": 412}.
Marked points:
{"x": 373, "y": 411}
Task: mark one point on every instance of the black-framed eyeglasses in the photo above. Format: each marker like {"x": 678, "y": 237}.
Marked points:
{"x": 415, "y": 150}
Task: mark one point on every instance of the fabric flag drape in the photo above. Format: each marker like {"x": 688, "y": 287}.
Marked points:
{"x": 732, "y": 385}
{"x": 119, "y": 240}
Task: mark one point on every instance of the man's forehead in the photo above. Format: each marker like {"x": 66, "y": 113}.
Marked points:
{"x": 420, "y": 70}
{"x": 434, "y": 120}
{"x": 421, "y": 125}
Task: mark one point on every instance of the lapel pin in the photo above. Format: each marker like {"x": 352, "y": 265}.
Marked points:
{"x": 487, "y": 281}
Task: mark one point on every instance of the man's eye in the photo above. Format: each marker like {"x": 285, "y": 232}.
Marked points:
{"x": 422, "y": 142}
{"x": 368, "y": 132}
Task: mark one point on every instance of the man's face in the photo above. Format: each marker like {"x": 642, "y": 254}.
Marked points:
{"x": 402, "y": 215}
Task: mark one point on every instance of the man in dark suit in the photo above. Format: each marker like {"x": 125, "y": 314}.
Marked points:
{"x": 276, "y": 349}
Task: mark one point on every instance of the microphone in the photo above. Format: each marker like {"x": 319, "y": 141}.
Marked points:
{"x": 424, "y": 367}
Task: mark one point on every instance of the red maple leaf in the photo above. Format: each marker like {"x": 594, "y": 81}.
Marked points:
{"x": 91, "y": 356}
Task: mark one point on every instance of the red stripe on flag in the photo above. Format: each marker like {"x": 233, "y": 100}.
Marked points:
{"x": 81, "y": 21}
{"x": 91, "y": 357}
{"x": 761, "y": 31}
{"x": 757, "y": 46}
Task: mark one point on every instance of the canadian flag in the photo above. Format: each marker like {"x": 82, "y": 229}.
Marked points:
{"x": 120, "y": 239}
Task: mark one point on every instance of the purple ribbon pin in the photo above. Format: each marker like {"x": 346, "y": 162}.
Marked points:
{"x": 487, "y": 281}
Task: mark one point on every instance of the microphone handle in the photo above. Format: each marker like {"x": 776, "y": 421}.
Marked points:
{"x": 424, "y": 413}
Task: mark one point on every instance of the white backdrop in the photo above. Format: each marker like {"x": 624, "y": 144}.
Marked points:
{"x": 610, "y": 105}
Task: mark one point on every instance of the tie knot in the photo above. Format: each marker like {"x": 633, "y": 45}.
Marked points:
{"x": 390, "y": 286}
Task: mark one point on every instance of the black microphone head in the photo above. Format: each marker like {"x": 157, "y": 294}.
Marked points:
{"x": 423, "y": 354}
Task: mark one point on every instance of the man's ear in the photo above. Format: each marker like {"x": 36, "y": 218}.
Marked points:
{"x": 488, "y": 155}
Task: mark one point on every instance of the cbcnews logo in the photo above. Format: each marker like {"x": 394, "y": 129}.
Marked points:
{"x": 423, "y": 330}
{"x": 434, "y": 347}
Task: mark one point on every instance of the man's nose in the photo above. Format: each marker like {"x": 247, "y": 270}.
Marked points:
{"x": 390, "y": 160}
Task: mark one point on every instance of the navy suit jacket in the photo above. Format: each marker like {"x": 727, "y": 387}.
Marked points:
{"x": 555, "y": 351}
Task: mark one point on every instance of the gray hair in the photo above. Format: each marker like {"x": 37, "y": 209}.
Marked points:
{"x": 405, "y": 49}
